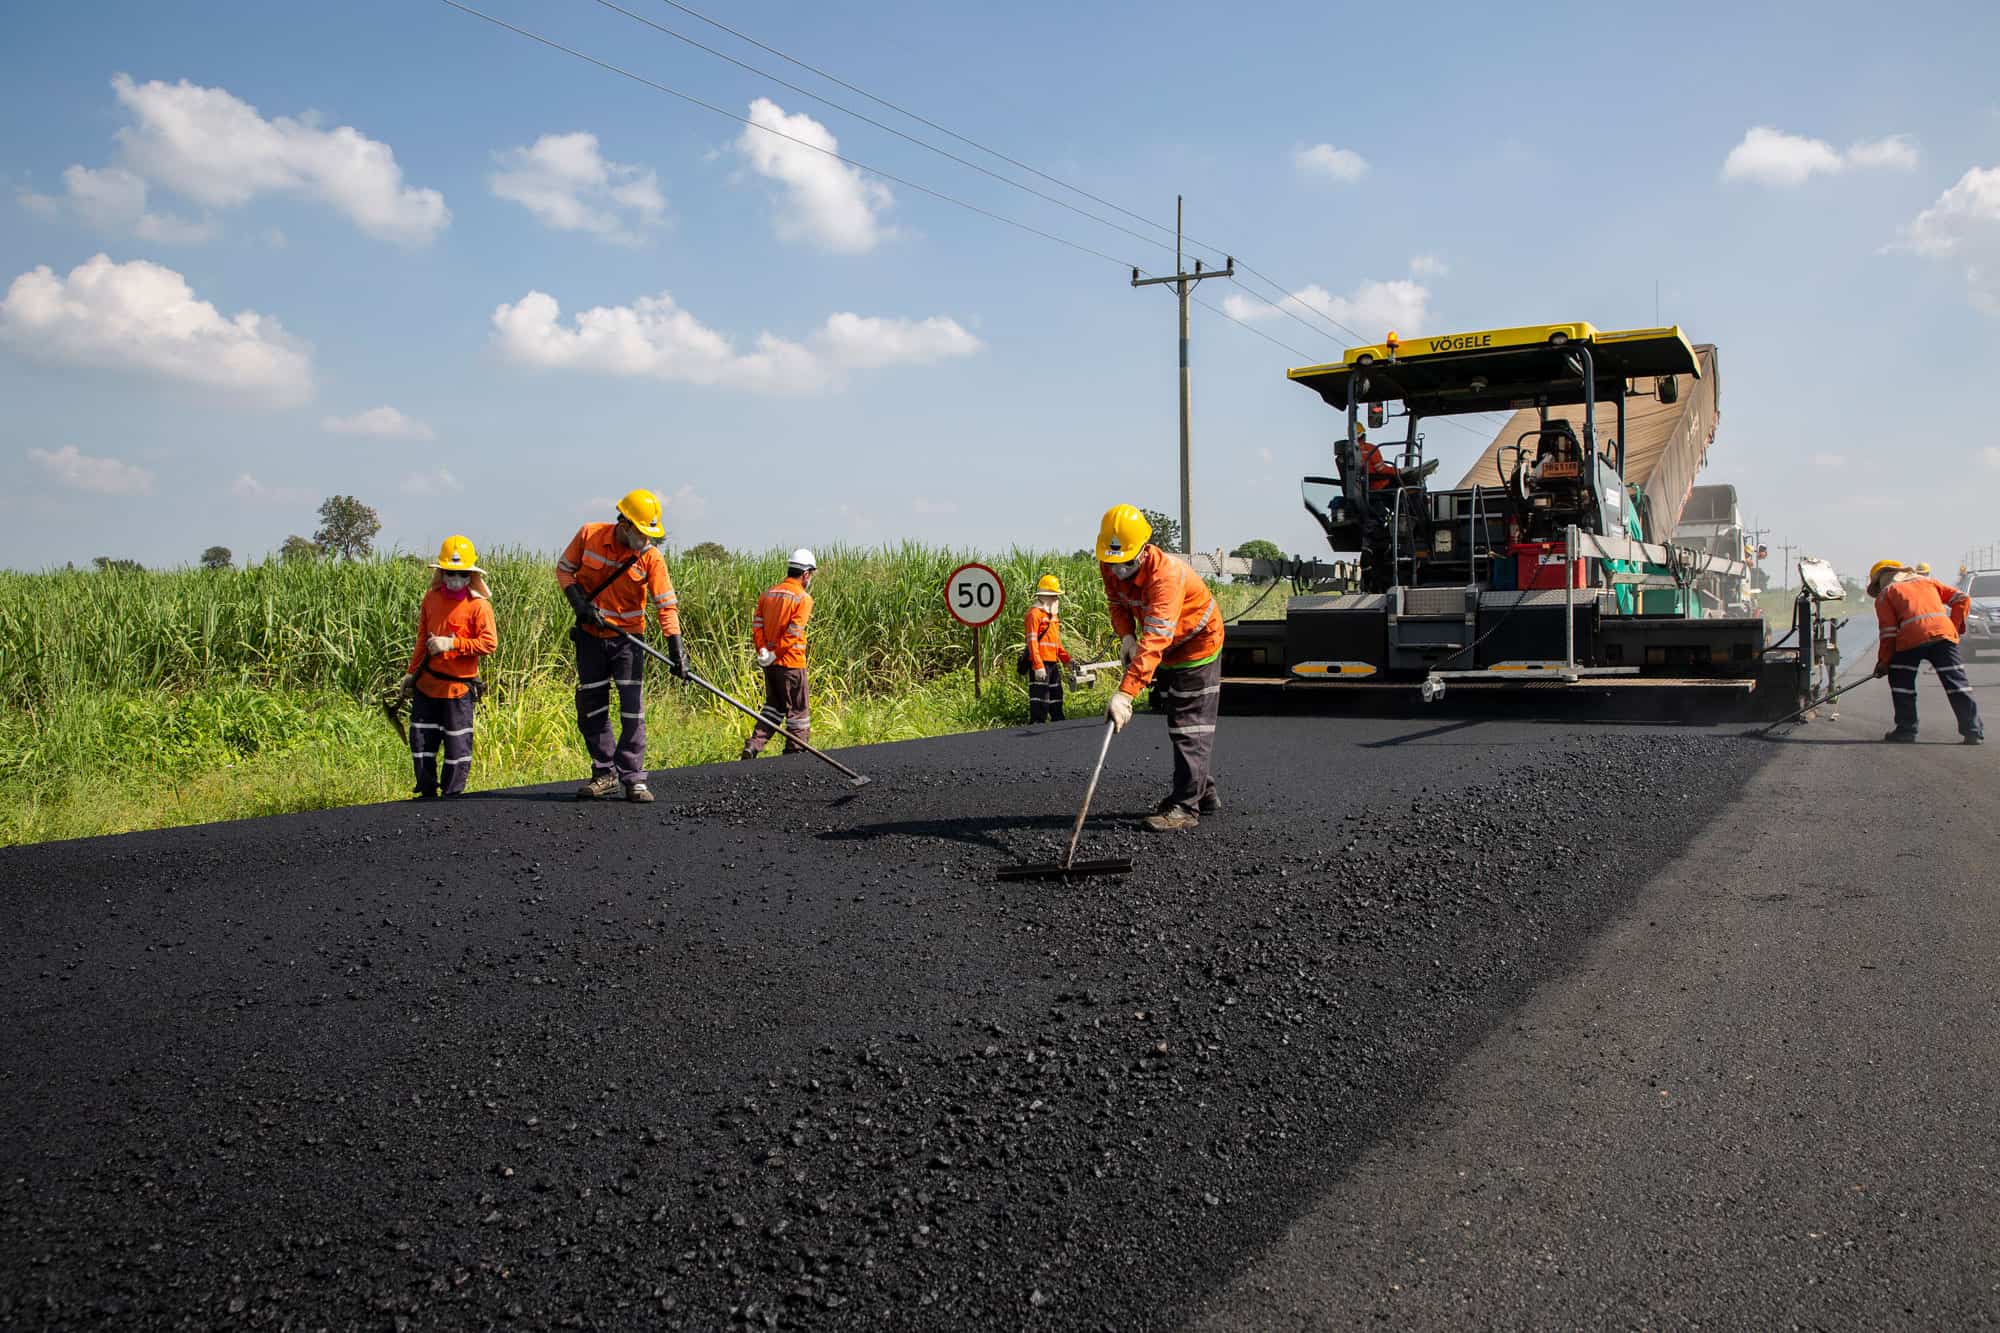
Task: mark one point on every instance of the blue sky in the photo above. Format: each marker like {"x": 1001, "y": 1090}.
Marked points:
{"x": 310, "y": 214}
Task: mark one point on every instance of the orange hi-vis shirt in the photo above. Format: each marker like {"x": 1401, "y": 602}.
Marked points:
{"x": 780, "y": 622}
{"x": 1914, "y": 612}
{"x": 1044, "y": 631}
{"x": 1381, "y": 472}
{"x": 589, "y": 559}
{"x": 1169, "y": 610}
{"x": 469, "y": 621}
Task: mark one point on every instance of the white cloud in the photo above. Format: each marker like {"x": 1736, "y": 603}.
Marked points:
{"x": 437, "y": 481}
{"x": 140, "y": 316}
{"x": 922, "y": 505}
{"x": 381, "y": 423}
{"x": 654, "y": 337}
{"x": 1374, "y": 308}
{"x": 685, "y": 505}
{"x": 209, "y": 146}
{"x": 1770, "y": 156}
{"x": 1829, "y": 460}
{"x": 826, "y": 202}
{"x": 1963, "y": 226}
{"x": 79, "y": 471}
{"x": 1428, "y": 266}
{"x": 1335, "y": 164}
{"x": 567, "y": 184}
{"x": 113, "y": 200}
{"x": 247, "y": 487}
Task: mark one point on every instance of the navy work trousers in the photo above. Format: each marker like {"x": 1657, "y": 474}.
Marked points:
{"x": 601, "y": 664}
{"x": 1943, "y": 657}
{"x": 441, "y": 743}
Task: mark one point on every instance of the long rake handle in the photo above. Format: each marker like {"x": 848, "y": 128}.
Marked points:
{"x": 1827, "y": 699}
{"x": 743, "y": 708}
{"x": 1076, "y": 831}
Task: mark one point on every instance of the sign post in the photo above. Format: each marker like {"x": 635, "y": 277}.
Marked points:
{"x": 975, "y": 596}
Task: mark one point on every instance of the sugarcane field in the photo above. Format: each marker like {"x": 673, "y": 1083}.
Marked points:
{"x": 905, "y": 667}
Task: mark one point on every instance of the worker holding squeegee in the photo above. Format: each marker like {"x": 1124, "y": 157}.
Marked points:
{"x": 611, "y": 573}
{"x": 1169, "y": 627}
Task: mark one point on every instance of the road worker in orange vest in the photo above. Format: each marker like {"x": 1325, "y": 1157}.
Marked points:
{"x": 1045, "y": 653}
{"x": 612, "y": 573}
{"x": 778, "y": 637}
{"x": 1380, "y": 471}
{"x": 454, "y": 630}
{"x": 1170, "y": 637}
{"x": 1921, "y": 620}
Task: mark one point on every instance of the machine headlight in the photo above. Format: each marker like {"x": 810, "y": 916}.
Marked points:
{"x": 1441, "y": 541}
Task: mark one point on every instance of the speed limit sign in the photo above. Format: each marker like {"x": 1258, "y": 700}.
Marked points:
{"x": 974, "y": 595}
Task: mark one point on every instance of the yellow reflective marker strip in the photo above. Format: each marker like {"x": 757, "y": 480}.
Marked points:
{"x": 1333, "y": 669}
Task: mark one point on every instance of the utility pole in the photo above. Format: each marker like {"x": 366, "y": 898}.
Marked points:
{"x": 1787, "y": 548}
{"x": 1185, "y": 282}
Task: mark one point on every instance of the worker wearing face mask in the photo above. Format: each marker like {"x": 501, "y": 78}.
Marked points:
{"x": 612, "y": 573}
{"x": 454, "y": 630}
{"x": 1170, "y": 637}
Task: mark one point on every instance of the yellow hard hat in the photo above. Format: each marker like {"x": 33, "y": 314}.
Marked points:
{"x": 1881, "y": 567}
{"x": 641, "y": 509}
{"x": 456, "y": 556}
{"x": 1048, "y": 584}
{"x": 1924, "y": 568}
{"x": 1122, "y": 535}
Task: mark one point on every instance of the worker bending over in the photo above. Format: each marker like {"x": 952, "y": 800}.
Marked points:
{"x": 1921, "y": 621}
{"x": 1168, "y": 624}
{"x": 454, "y": 630}
{"x": 778, "y": 634}
{"x": 611, "y": 573}
{"x": 1045, "y": 653}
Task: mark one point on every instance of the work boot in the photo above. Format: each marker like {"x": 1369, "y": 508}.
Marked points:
{"x": 639, "y": 793}
{"x": 424, "y": 794}
{"x": 600, "y": 788}
{"x": 1975, "y": 740}
{"x": 1211, "y": 803}
{"x": 1900, "y": 737}
{"x": 1173, "y": 819}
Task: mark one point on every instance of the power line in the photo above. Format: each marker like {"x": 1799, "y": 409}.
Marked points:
{"x": 890, "y": 129}
{"x": 922, "y": 120}
{"x": 803, "y": 143}
{"x": 1161, "y": 227}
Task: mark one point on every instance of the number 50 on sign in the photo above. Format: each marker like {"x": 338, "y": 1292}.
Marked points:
{"x": 974, "y": 595}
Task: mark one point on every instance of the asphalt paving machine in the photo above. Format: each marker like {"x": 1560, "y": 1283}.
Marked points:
{"x": 1551, "y": 566}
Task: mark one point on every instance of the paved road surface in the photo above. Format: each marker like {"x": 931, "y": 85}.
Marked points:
{"x": 774, "y": 1054}
{"x": 1766, "y": 1097}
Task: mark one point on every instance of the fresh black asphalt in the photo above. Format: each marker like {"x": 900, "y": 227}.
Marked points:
{"x": 776, "y": 1053}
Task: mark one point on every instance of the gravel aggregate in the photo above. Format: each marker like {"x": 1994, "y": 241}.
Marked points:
{"x": 772, "y": 1053}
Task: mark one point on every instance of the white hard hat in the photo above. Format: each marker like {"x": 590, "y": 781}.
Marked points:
{"x": 802, "y": 559}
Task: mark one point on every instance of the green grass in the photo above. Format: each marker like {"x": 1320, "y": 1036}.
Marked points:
{"x": 147, "y": 699}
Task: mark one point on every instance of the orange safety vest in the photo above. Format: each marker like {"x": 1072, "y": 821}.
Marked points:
{"x": 1913, "y": 612}
{"x": 1044, "y": 633}
{"x": 469, "y": 621}
{"x": 1381, "y": 472}
{"x": 1171, "y": 612}
{"x": 780, "y": 622}
{"x": 592, "y": 556}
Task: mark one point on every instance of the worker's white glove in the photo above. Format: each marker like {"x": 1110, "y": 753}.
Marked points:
{"x": 1119, "y": 710}
{"x": 765, "y": 657}
{"x": 1128, "y": 648}
{"x": 439, "y": 643}
{"x": 408, "y": 685}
